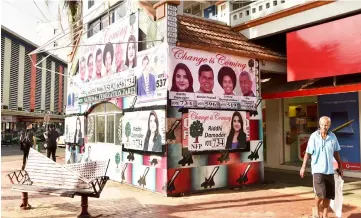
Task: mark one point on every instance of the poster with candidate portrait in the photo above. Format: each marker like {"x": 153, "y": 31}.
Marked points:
{"x": 151, "y": 74}
{"x": 144, "y": 130}
{"x": 74, "y": 130}
{"x": 107, "y": 61}
{"x": 201, "y": 79}
{"x": 218, "y": 130}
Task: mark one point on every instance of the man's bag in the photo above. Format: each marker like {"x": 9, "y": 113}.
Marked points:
{"x": 336, "y": 205}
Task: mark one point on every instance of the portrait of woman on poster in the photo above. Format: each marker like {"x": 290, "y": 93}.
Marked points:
{"x": 131, "y": 53}
{"x": 78, "y": 136}
{"x": 153, "y": 140}
{"x": 237, "y": 137}
{"x": 227, "y": 79}
{"x": 182, "y": 79}
{"x": 108, "y": 55}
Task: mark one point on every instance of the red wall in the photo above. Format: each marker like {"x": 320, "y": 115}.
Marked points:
{"x": 325, "y": 50}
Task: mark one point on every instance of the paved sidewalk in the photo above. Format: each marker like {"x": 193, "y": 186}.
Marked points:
{"x": 117, "y": 200}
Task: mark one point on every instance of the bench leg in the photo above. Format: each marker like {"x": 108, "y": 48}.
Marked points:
{"x": 24, "y": 198}
{"x": 84, "y": 207}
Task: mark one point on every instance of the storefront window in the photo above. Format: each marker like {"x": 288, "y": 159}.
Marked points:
{"x": 100, "y": 129}
{"x": 300, "y": 121}
{"x": 110, "y": 129}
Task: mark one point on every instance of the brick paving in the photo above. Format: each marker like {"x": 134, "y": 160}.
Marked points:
{"x": 118, "y": 200}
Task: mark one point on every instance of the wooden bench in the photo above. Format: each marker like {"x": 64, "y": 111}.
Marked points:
{"x": 44, "y": 176}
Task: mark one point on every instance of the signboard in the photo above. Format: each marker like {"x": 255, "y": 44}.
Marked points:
{"x": 106, "y": 67}
{"x": 74, "y": 130}
{"x": 144, "y": 130}
{"x": 343, "y": 109}
{"x": 151, "y": 74}
{"x": 217, "y": 130}
{"x": 200, "y": 79}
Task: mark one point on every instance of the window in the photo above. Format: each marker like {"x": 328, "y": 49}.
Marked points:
{"x": 188, "y": 10}
{"x": 274, "y": 3}
{"x": 90, "y": 3}
{"x": 236, "y": 5}
{"x": 260, "y": 8}
{"x": 102, "y": 22}
{"x": 235, "y": 17}
{"x": 283, "y": 1}
{"x": 253, "y": 10}
{"x": 196, "y": 9}
{"x": 247, "y": 12}
{"x": 100, "y": 129}
{"x": 240, "y": 15}
{"x": 110, "y": 129}
{"x": 267, "y": 5}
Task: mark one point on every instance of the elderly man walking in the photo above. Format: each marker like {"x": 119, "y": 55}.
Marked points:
{"x": 322, "y": 147}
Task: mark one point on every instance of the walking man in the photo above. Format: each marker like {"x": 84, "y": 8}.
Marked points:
{"x": 322, "y": 147}
{"x": 27, "y": 140}
{"x": 53, "y": 136}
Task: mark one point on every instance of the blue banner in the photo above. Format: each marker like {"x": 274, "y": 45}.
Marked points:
{"x": 343, "y": 109}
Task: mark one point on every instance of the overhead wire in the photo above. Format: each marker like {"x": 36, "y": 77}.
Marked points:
{"x": 43, "y": 14}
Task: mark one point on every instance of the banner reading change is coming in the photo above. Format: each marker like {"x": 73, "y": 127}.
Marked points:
{"x": 217, "y": 130}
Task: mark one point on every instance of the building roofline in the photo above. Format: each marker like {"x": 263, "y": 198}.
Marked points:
{"x": 30, "y": 43}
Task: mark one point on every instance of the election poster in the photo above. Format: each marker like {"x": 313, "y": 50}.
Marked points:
{"x": 144, "y": 130}
{"x": 201, "y": 79}
{"x": 218, "y": 130}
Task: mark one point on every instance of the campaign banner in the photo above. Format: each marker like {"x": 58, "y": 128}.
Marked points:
{"x": 107, "y": 61}
{"x": 151, "y": 74}
{"x": 144, "y": 130}
{"x": 217, "y": 130}
{"x": 343, "y": 109}
{"x": 74, "y": 130}
{"x": 200, "y": 79}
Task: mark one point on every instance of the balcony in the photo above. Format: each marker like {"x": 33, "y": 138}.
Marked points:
{"x": 261, "y": 8}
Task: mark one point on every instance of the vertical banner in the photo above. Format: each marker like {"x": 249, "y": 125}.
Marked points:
{"x": 343, "y": 109}
{"x": 74, "y": 138}
{"x": 151, "y": 74}
{"x": 218, "y": 130}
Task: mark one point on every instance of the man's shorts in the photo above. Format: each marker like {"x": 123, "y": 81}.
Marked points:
{"x": 324, "y": 185}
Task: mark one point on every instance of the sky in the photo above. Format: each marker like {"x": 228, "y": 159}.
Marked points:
{"x": 26, "y": 19}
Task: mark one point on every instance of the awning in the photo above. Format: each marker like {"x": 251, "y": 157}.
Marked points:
{"x": 278, "y": 87}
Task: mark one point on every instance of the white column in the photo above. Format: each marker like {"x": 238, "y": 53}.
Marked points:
{"x": 65, "y": 82}
{"x": 274, "y": 132}
{"x": 43, "y": 84}
{"x": 52, "y": 86}
{"x": 6, "y": 81}
{"x": 21, "y": 76}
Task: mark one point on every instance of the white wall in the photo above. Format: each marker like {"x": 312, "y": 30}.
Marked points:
{"x": 274, "y": 137}
{"x": 306, "y": 17}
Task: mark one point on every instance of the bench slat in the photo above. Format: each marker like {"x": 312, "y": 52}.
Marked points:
{"x": 50, "y": 190}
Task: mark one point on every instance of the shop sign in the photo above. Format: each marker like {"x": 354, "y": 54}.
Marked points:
{"x": 217, "y": 130}
{"x": 5, "y": 118}
{"x": 200, "y": 79}
{"x": 144, "y": 130}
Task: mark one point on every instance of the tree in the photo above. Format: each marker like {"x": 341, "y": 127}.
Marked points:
{"x": 196, "y": 130}
{"x": 128, "y": 130}
{"x": 117, "y": 159}
{"x": 74, "y": 18}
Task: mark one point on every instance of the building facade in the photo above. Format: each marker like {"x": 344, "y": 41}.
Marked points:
{"x": 170, "y": 99}
{"x": 29, "y": 92}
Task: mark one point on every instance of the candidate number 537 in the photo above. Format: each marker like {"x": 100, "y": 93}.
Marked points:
{"x": 161, "y": 82}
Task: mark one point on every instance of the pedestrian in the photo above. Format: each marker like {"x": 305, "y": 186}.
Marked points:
{"x": 53, "y": 136}
{"x": 322, "y": 147}
{"x": 27, "y": 140}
